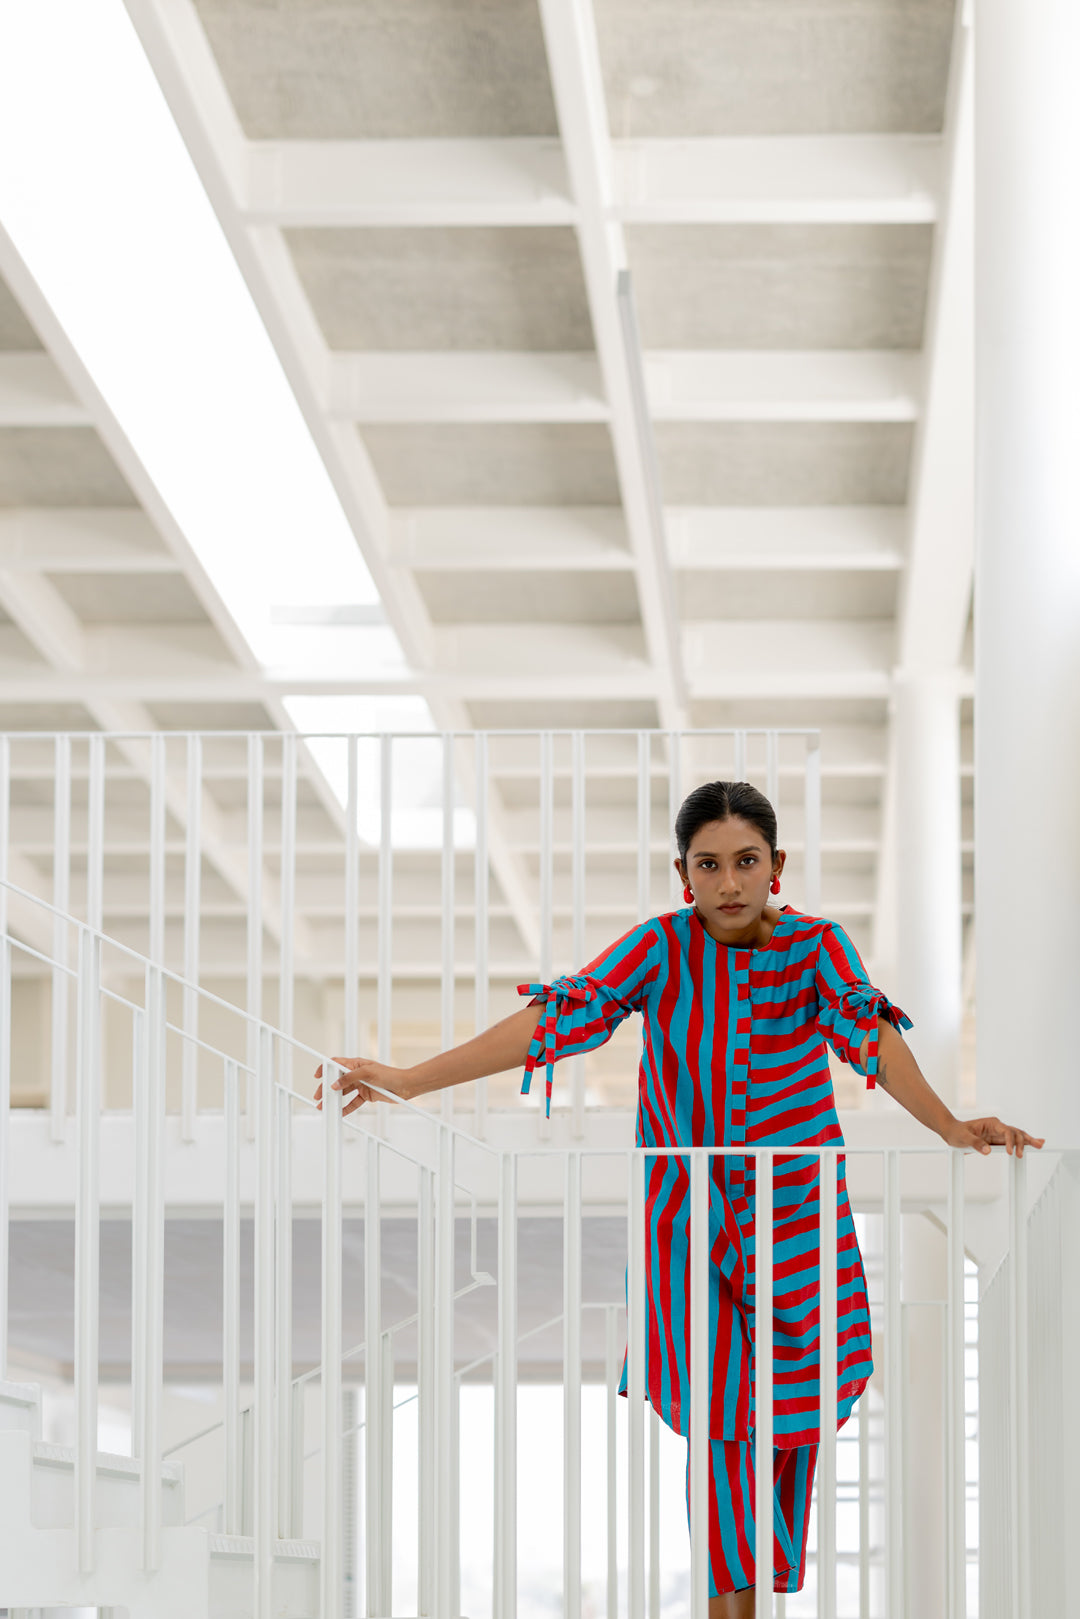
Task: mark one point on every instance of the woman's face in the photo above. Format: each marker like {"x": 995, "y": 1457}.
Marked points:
{"x": 729, "y": 866}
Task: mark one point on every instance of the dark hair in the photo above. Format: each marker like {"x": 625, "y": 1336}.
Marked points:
{"x": 719, "y": 801}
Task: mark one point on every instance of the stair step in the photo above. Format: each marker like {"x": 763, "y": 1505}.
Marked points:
{"x": 295, "y": 1579}
{"x": 244, "y": 1546}
{"x": 20, "y": 1406}
{"x": 108, "y": 1463}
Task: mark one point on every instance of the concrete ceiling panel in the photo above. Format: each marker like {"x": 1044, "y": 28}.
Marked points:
{"x": 784, "y": 463}
{"x": 562, "y": 714}
{"x": 452, "y": 288}
{"x": 780, "y": 286}
{"x": 792, "y": 593}
{"x": 130, "y": 598}
{"x": 774, "y": 67}
{"x": 17, "y": 336}
{"x": 508, "y": 464}
{"x": 58, "y": 466}
{"x": 381, "y": 69}
{"x": 521, "y": 597}
{"x": 210, "y": 716}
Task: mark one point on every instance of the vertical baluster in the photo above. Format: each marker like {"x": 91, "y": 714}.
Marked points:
{"x": 425, "y": 1395}
{"x": 5, "y": 1049}
{"x": 863, "y": 1419}
{"x": 95, "y": 833}
{"x": 505, "y": 1606}
{"x": 455, "y": 1496}
{"x": 152, "y": 1249}
{"x": 675, "y": 747}
{"x": 763, "y": 1385}
{"x": 480, "y": 876}
{"x": 547, "y": 863}
{"x": 230, "y": 1301}
{"x": 373, "y": 1535}
{"x": 572, "y": 1387}
{"x": 738, "y": 769}
{"x": 264, "y": 1463}
{"x": 654, "y": 1514}
{"x": 611, "y": 1359}
{"x": 87, "y": 1243}
{"x": 330, "y": 1571}
{"x": 828, "y": 1178}
{"x": 156, "y": 951}
{"x": 635, "y": 1386}
{"x": 189, "y": 1081}
{"x": 140, "y": 1058}
{"x": 955, "y": 1491}
{"x": 894, "y": 1394}
{"x": 296, "y": 1470}
{"x": 449, "y": 985}
{"x": 1018, "y": 1389}
{"x": 812, "y": 827}
{"x": 352, "y": 904}
{"x": 61, "y": 898}
{"x": 255, "y": 912}
{"x": 577, "y": 884}
{"x": 385, "y": 977}
{"x": 283, "y": 1353}
{"x": 772, "y": 769}
{"x": 287, "y": 958}
{"x": 386, "y": 1469}
{"x": 644, "y": 852}
{"x": 699, "y": 1384}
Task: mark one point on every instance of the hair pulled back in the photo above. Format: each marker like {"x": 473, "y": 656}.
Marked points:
{"x": 720, "y": 801}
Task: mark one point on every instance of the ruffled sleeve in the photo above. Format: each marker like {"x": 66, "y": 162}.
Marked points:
{"x": 579, "y": 1015}
{"x": 848, "y": 1004}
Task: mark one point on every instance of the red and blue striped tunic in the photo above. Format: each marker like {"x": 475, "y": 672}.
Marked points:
{"x": 734, "y": 1053}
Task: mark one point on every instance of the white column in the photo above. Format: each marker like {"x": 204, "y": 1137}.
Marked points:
{"x": 1027, "y": 591}
{"x": 926, "y": 735}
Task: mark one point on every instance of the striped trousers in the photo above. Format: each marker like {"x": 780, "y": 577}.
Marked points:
{"x": 731, "y": 1514}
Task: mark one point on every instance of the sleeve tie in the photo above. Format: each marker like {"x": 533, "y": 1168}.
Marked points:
{"x": 567, "y": 1003}
{"x": 847, "y": 1019}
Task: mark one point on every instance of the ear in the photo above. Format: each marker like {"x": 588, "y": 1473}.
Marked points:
{"x": 778, "y": 861}
{"x": 681, "y": 869}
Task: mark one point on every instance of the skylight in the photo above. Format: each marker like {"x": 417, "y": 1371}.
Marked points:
{"x": 105, "y": 207}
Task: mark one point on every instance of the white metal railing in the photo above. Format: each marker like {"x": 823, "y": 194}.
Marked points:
{"x": 413, "y": 880}
{"x": 462, "y": 1200}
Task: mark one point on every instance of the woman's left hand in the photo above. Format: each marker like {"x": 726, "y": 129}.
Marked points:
{"x": 982, "y": 1134}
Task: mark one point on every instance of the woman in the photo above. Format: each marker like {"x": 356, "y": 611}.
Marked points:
{"x": 739, "y": 998}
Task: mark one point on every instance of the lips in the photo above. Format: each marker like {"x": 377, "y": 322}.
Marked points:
{"x": 733, "y": 907}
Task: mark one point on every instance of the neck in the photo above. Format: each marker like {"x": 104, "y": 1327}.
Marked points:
{"x": 751, "y": 936}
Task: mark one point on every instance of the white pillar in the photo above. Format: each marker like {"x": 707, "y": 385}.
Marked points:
{"x": 929, "y": 946}
{"x": 1027, "y": 588}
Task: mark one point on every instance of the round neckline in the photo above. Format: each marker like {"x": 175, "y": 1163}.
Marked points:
{"x": 747, "y": 950}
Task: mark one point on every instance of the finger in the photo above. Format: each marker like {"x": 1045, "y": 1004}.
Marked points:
{"x": 318, "y": 1072}
{"x": 318, "y": 1093}
{"x": 357, "y": 1101}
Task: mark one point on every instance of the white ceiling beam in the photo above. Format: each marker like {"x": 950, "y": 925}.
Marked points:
{"x": 82, "y": 540}
{"x": 583, "y": 539}
{"x": 775, "y": 179}
{"x": 33, "y": 393}
{"x": 40, "y": 612}
{"x": 577, "y": 84}
{"x": 833, "y": 385}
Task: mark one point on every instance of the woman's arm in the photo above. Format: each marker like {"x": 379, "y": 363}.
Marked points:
{"x": 505, "y": 1045}
{"x": 902, "y": 1078}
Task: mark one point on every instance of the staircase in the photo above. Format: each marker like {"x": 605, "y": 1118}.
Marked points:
{"x": 199, "y": 1575}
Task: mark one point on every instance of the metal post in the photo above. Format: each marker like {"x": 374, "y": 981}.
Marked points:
{"x": 763, "y": 1386}
{"x": 828, "y": 1168}
{"x": 230, "y": 1303}
{"x": 894, "y": 1394}
{"x": 95, "y": 833}
{"x": 1019, "y": 1364}
{"x": 611, "y": 1328}
{"x": 547, "y": 860}
{"x": 331, "y": 1565}
{"x": 140, "y": 1063}
{"x": 287, "y": 956}
{"x": 425, "y": 1396}
{"x": 674, "y": 801}
{"x": 572, "y": 1387}
{"x": 255, "y": 912}
{"x": 700, "y": 1175}
{"x": 156, "y": 951}
{"x": 863, "y": 1420}
{"x": 386, "y": 1471}
{"x": 644, "y": 851}
{"x": 577, "y": 885}
{"x": 283, "y": 1300}
{"x": 738, "y": 769}
{"x": 5, "y": 1051}
{"x": 152, "y": 1250}
{"x": 449, "y": 985}
{"x": 635, "y": 1386}
{"x": 772, "y": 769}
{"x": 505, "y": 1605}
{"x": 373, "y": 1535}
{"x": 812, "y": 827}
{"x": 352, "y": 905}
{"x": 87, "y": 1244}
{"x": 955, "y": 1481}
{"x": 61, "y": 898}
{"x": 264, "y": 1462}
{"x": 654, "y": 1514}
{"x": 385, "y": 971}
{"x": 480, "y": 878}
{"x": 189, "y": 1084}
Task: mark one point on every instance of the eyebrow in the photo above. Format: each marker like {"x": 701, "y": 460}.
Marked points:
{"x": 708, "y": 854}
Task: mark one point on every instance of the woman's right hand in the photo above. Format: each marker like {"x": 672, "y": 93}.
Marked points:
{"x": 360, "y": 1074}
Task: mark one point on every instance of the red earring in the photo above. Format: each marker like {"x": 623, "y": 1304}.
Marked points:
{"x": 774, "y": 886}
{"x": 688, "y": 894}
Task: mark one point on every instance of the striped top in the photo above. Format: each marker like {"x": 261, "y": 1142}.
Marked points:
{"x": 734, "y": 1053}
